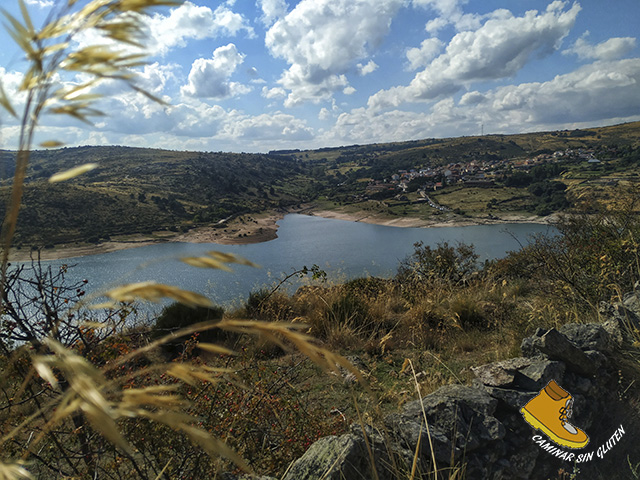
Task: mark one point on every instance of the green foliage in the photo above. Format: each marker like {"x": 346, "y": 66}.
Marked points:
{"x": 177, "y": 316}
{"x": 444, "y": 264}
{"x": 366, "y": 287}
{"x": 594, "y": 257}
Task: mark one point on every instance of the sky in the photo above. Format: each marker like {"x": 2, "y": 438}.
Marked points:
{"x": 260, "y": 75}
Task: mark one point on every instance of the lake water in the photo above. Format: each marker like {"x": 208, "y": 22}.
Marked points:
{"x": 343, "y": 249}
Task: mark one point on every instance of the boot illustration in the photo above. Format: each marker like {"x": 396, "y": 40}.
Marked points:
{"x": 549, "y": 412}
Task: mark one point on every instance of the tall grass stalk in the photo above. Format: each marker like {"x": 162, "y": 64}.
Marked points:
{"x": 63, "y": 401}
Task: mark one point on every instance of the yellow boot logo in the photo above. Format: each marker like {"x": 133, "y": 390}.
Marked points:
{"x": 549, "y": 412}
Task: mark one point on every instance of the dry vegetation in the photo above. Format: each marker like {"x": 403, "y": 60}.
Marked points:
{"x": 87, "y": 393}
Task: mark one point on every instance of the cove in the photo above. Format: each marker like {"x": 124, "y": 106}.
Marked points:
{"x": 344, "y": 249}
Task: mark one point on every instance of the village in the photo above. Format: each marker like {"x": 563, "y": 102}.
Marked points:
{"x": 471, "y": 174}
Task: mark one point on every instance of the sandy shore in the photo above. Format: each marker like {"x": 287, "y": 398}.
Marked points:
{"x": 420, "y": 222}
{"x": 256, "y": 229}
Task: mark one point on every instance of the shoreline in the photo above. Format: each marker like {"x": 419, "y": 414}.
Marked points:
{"x": 258, "y": 228}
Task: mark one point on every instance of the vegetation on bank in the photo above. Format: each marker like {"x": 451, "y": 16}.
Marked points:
{"x": 89, "y": 392}
{"x": 141, "y": 191}
{"x": 442, "y": 310}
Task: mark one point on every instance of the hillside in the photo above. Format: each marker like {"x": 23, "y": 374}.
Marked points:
{"x": 139, "y": 191}
{"x": 142, "y": 190}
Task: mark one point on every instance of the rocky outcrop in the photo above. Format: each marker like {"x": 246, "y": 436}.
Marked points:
{"x": 478, "y": 430}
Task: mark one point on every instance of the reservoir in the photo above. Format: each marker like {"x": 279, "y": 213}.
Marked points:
{"x": 344, "y": 249}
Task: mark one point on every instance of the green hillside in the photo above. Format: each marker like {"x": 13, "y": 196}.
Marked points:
{"x": 139, "y": 190}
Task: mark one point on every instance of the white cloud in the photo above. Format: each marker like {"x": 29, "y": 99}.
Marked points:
{"x": 210, "y": 78}
{"x": 368, "y": 68}
{"x": 156, "y": 77}
{"x": 324, "y": 114}
{"x": 272, "y": 10}
{"x": 275, "y": 92}
{"x": 594, "y": 92}
{"x": 323, "y": 39}
{"x": 435, "y": 25}
{"x": 449, "y": 12}
{"x": 190, "y": 21}
{"x": 611, "y": 49}
{"x": 599, "y": 93}
{"x": 184, "y": 23}
{"x": 349, "y": 90}
{"x": 278, "y": 126}
{"x": 40, "y": 3}
{"x": 421, "y": 57}
{"x": 498, "y": 49}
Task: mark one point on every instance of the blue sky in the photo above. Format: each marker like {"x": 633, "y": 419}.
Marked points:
{"x": 256, "y": 75}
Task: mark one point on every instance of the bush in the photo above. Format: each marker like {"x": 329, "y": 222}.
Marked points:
{"x": 264, "y": 304}
{"x": 351, "y": 311}
{"x": 177, "y": 316}
{"x": 366, "y": 287}
{"x": 441, "y": 265}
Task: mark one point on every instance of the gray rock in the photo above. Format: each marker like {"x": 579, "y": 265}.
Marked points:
{"x": 528, "y": 344}
{"x": 459, "y": 420}
{"x": 500, "y": 374}
{"x": 333, "y": 458}
{"x": 590, "y": 336}
{"x": 557, "y": 347}
{"x": 539, "y": 373}
{"x": 623, "y": 323}
{"x": 631, "y": 301}
{"x": 513, "y": 399}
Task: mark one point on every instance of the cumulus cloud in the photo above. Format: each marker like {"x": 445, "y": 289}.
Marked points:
{"x": 368, "y": 68}
{"x": 210, "y": 78}
{"x": 611, "y": 49}
{"x": 183, "y": 24}
{"x": 278, "y": 126}
{"x": 594, "y": 92}
{"x": 323, "y": 39}
{"x": 190, "y": 21}
{"x": 449, "y": 12}
{"x": 272, "y": 10}
{"x": 602, "y": 92}
{"x": 421, "y": 57}
{"x": 498, "y": 49}
{"x": 272, "y": 93}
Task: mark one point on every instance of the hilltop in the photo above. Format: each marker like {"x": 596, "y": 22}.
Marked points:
{"x": 159, "y": 194}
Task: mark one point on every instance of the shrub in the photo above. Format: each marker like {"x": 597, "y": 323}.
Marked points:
{"x": 352, "y": 311}
{"x": 443, "y": 265}
{"x": 366, "y": 287}
{"x": 265, "y": 304}
{"x": 177, "y": 316}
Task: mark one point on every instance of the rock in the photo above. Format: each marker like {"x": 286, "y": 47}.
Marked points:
{"x": 451, "y": 412}
{"x": 500, "y": 374}
{"x": 557, "y": 347}
{"x": 623, "y": 323}
{"x": 539, "y": 373}
{"x": 631, "y": 301}
{"x": 513, "y": 399}
{"x": 528, "y": 348}
{"x": 333, "y": 458}
{"x": 591, "y": 336}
